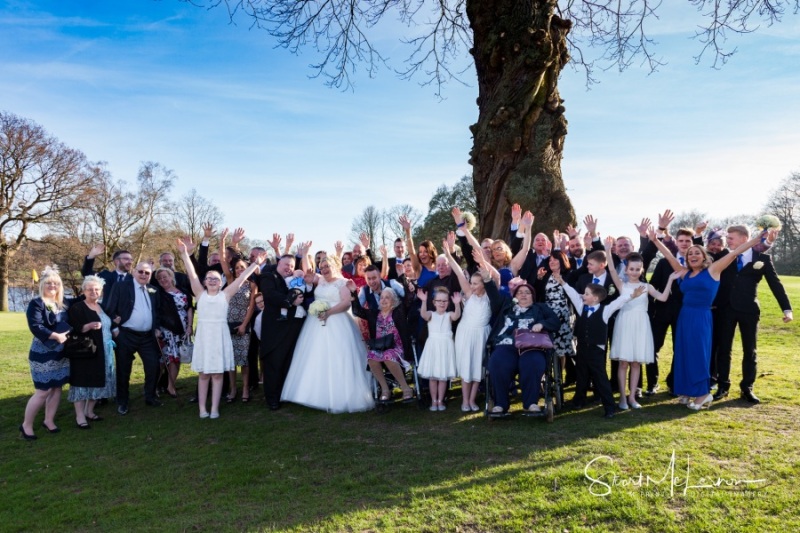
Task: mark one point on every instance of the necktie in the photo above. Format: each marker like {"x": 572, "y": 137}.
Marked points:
{"x": 682, "y": 260}
{"x": 579, "y": 262}
{"x": 146, "y": 296}
{"x": 596, "y": 281}
{"x": 120, "y": 277}
{"x": 739, "y": 262}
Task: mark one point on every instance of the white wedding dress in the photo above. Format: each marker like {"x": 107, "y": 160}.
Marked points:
{"x": 328, "y": 369}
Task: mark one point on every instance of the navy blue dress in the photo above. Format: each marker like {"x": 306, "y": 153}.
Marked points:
{"x": 693, "y": 335}
{"x": 49, "y": 367}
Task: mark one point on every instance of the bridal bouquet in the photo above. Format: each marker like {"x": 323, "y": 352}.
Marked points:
{"x": 318, "y": 307}
{"x": 768, "y": 222}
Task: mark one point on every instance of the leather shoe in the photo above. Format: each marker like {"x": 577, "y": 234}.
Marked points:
{"x": 122, "y": 409}
{"x": 193, "y": 399}
{"x": 153, "y": 403}
{"x": 748, "y": 395}
{"x": 720, "y": 394}
{"x": 651, "y": 391}
{"x": 608, "y": 414}
{"x": 274, "y": 406}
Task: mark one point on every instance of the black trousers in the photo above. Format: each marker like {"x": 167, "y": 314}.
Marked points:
{"x": 590, "y": 363}
{"x": 252, "y": 358}
{"x": 130, "y": 342}
{"x": 276, "y": 362}
{"x": 660, "y": 325}
{"x": 748, "y": 328}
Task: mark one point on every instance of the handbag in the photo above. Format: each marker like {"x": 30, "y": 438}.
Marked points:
{"x": 185, "y": 351}
{"x": 233, "y": 326}
{"x": 381, "y": 343}
{"x": 79, "y": 346}
{"x": 526, "y": 340}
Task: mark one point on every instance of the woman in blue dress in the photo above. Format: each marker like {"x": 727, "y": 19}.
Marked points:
{"x": 699, "y": 283}
{"x": 47, "y": 320}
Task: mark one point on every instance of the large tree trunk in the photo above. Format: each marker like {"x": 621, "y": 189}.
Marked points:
{"x": 4, "y": 262}
{"x": 519, "y": 50}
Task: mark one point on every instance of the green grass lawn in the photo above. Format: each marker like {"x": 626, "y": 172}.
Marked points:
{"x": 408, "y": 470}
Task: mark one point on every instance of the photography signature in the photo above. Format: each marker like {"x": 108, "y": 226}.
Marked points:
{"x": 603, "y": 484}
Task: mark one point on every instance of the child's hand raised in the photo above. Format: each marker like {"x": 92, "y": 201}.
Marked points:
{"x": 456, "y": 298}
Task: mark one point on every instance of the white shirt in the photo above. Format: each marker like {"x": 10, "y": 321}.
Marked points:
{"x": 142, "y": 316}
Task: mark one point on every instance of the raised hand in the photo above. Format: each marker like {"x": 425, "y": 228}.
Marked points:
{"x": 422, "y": 295}
{"x": 564, "y": 242}
{"x": 339, "y": 247}
{"x": 557, "y": 237}
{"x": 310, "y": 276}
{"x": 700, "y": 227}
{"x": 238, "y": 236}
{"x": 772, "y": 235}
{"x": 678, "y": 274}
{"x": 651, "y": 234}
{"x": 208, "y": 231}
{"x": 384, "y": 251}
{"x": 477, "y": 255}
{"x": 527, "y": 219}
{"x": 642, "y": 227}
{"x": 275, "y": 242}
{"x": 303, "y": 248}
{"x": 665, "y": 219}
{"x": 224, "y": 235}
{"x": 456, "y": 298}
{"x": 405, "y": 222}
{"x": 364, "y": 239}
{"x": 516, "y": 214}
{"x": 587, "y": 240}
{"x": 450, "y": 241}
{"x": 609, "y": 243}
{"x": 541, "y": 273}
{"x": 572, "y": 231}
{"x": 182, "y": 245}
{"x": 187, "y": 243}
{"x": 457, "y": 216}
{"x": 96, "y": 250}
{"x": 289, "y": 240}
{"x": 351, "y": 285}
{"x": 591, "y": 225}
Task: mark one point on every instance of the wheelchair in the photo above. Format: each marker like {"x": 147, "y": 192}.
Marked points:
{"x": 412, "y": 379}
{"x": 552, "y": 390}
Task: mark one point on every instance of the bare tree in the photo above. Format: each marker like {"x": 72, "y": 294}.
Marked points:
{"x": 785, "y": 204}
{"x": 518, "y": 49}
{"x": 127, "y": 218}
{"x": 40, "y": 178}
{"x": 192, "y": 211}
{"x": 370, "y": 221}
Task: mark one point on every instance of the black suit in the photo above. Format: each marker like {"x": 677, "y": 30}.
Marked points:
{"x": 278, "y": 333}
{"x": 737, "y": 301}
{"x": 120, "y": 305}
{"x": 109, "y": 276}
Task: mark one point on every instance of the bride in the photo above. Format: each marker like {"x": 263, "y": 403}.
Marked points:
{"x": 328, "y": 368}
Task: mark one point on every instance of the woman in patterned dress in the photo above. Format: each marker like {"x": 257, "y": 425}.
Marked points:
{"x": 556, "y": 299}
{"x": 92, "y": 378}
{"x": 47, "y": 320}
{"x": 177, "y": 317}
{"x": 240, "y": 311}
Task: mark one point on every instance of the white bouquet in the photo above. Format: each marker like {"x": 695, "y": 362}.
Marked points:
{"x": 318, "y": 307}
{"x": 768, "y": 222}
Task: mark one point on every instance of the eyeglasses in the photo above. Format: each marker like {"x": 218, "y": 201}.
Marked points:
{"x": 144, "y": 272}
{"x": 213, "y": 280}
{"x": 441, "y": 301}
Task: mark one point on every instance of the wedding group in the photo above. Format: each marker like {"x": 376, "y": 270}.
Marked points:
{"x": 316, "y": 329}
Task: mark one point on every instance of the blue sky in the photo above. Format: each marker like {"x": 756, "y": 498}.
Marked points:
{"x": 239, "y": 120}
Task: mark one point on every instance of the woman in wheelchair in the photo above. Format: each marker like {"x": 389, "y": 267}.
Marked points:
{"x": 389, "y": 341}
{"x": 505, "y": 360}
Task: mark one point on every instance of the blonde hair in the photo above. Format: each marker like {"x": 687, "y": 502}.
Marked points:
{"x": 50, "y": 273}
{"x": 333, "y": 261}
{"x": 164, "y": 269}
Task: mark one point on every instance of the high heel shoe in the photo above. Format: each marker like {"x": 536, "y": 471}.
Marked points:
{"x": 683, "y": 400}
{"x": 55, "y": 429}
{"x": 25, "y": 435}
{"x": 705, "y": 404}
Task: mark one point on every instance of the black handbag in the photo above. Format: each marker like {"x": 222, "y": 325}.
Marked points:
{"x": 78, "y": 346}
{"x": 234, "y": 326}
{"x": 381, "y": 343}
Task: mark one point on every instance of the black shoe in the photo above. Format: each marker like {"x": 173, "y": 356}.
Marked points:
{"x": 608, "y": 414}
{"x": 721, "y": 393}
{"x": 274, "y": 406}
{"x": 122, "y": 409}
{"x": 651, "y": 391}
{"x": 25, "y": 435}
{"x": 153, "y": 403}
{"x": 748, "y": 395}
{"x": 85, "y": 425}
{"x": 55, "y": 429}
{"x": 193, "y": 399}
{"x": 577, "y": 405}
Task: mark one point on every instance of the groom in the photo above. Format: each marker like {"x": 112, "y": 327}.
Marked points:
{"x": 280, "y": 326}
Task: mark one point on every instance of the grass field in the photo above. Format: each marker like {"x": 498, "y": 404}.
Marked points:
{"x": 409, "y": 470}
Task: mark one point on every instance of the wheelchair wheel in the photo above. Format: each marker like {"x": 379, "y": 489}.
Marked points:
{"x": 548, "y": 410}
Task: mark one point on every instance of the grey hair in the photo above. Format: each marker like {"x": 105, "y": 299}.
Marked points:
{"x": 97, "y": 280}
{"x": 395, "y": 298}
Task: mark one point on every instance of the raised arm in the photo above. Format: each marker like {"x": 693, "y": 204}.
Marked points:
{"x": 384, "y": 262}
{"x": 412, "y": 251}
{"x": 673, "y": 261}
{"x": 224, "y": 260}
{"x": 423, "y": 310}
{"x": 663, "y": 295}
{"x": 722, "y": 263}
{"x": 454, "y": 266}
{"x": 456, "y": 313}
{"x": 306, "y": 261}
{"x": 197, "y": 287}
{"x": 611, "y": 270}
{"x": 275, "y": 244}
{"x": 519, "y": 258}
{"x": 234, "y": 285}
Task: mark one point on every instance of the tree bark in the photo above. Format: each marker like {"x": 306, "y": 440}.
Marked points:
{"x": 5, "y": 256}
{"x": 519, "y": 50}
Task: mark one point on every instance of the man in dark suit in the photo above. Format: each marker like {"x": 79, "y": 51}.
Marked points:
{"x": 167, "y": 260}
{"x": 738, "y": 302}
{"x": 280, "y": 326}
{"x": 123, "y": 260}
{"x": 395, "y": 263}
{"x": 132, "y": 306}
